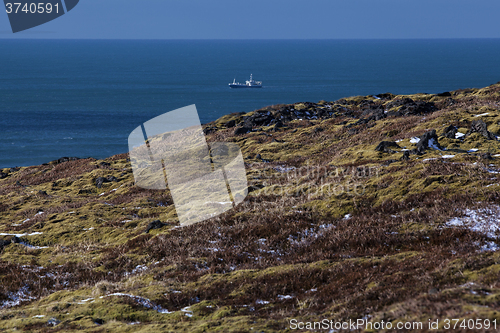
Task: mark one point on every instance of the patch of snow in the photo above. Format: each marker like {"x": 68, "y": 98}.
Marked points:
{"x": 213, "y": 249}
{"x": 447, "y": 156}
{"x": 142, "y": 301}
{"x": 38, "y": 316}
{"x": 483, "y": 220}
{"x": 473, "y": 150}
{"x": 490, "y": 246}
{"x": 187, "y": 311}
{"x": 259, "y": 301}
{"x": 22, "y": 235}
{"x": 84, "y": 301}
{"x": 482, "y": 114}
{"x": 15, "y": 299}
{"x": 347, "y": 216}
{"x": 497, "y": 155}
{"x": 433, "y": 144}
{"x": 29, "y": 246}
{"x": 282, "y": 297}
{"x": 414, "y": 140}
{"x": 376, "y": 97}
{"x": 397, "y": 141}
{"x": 429, "y": 159}
{"x": 284, "y": 169}
{"x": 459, "y": 135}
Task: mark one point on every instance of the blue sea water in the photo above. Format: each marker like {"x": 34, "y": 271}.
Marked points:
{"x": 83, "y": 97}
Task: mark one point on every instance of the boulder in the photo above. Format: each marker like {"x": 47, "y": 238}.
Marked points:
{"x": 406, "y": 156}
{"x": 4, "y": 243}
{"x": 449, "y": 132}
{"x": 230, "y": 123}
{"x": 411, "y": 107}
{"x": 385, "y": 145}
{"x": 479, "y": 126}
{"x": 487, "y": 156}
{"x": 242, "y": 130}
{"x": 101, "y": 180}
{"x": 156, "y": 224}
{"x": 66, "y": 159}
{"x": 428, "y": 140}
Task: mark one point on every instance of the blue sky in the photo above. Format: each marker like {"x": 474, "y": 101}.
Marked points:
{"x": 271, "y": 19}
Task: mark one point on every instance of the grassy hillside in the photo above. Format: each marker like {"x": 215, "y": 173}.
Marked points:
{"x": 337, "y": 225}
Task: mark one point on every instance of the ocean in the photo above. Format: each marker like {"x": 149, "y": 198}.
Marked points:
{"x": 83, "y": 97}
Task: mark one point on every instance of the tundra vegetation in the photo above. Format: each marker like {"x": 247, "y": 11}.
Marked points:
{"x": 379, "y": 207}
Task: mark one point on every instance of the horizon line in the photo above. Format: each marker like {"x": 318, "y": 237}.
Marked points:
{"x": 258, "y": 39}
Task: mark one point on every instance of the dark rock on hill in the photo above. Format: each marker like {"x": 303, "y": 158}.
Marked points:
{"x": 231, "y": 123}
{"x": 156, "y": 224}
{"x": 242, "y": 130}
{"x": 66, "y": 159}
{"x": 406, "y": 156}
{"x": 385, "y": 145}
{"x": 449, "y": 132}
{"x": 101, "y": 180}
{"x": 428, "y": 140}
{"x": 479, "y": 126}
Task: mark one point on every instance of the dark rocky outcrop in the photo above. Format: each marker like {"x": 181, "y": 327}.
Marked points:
{"x": 479, "y": 126}
{"x": 99, "y": 321}
{"x": 407, "y": 107}
{"x": 385, "y": 146}
{"x": 156, "y": 224}
{"x": 230, "y": 123}
{"x": 4, "y": 243}
{"x": 3, "y": 175}
{"x": 406, "y": 156}
{"x": 242, "y": 130}
{"x": 101, "y": 180}
{"x": 428, "y": 139}
{"x": 487, "y": 156}
{"x": 385, "y": 96}
{"x": 449, "y": 132}
{"x": 66, "y": 159}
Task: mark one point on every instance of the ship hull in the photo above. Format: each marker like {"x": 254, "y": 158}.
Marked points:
{"x": 242, "y": 86}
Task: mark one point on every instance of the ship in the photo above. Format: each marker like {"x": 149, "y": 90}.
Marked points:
{"x": 248, "y": 84}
